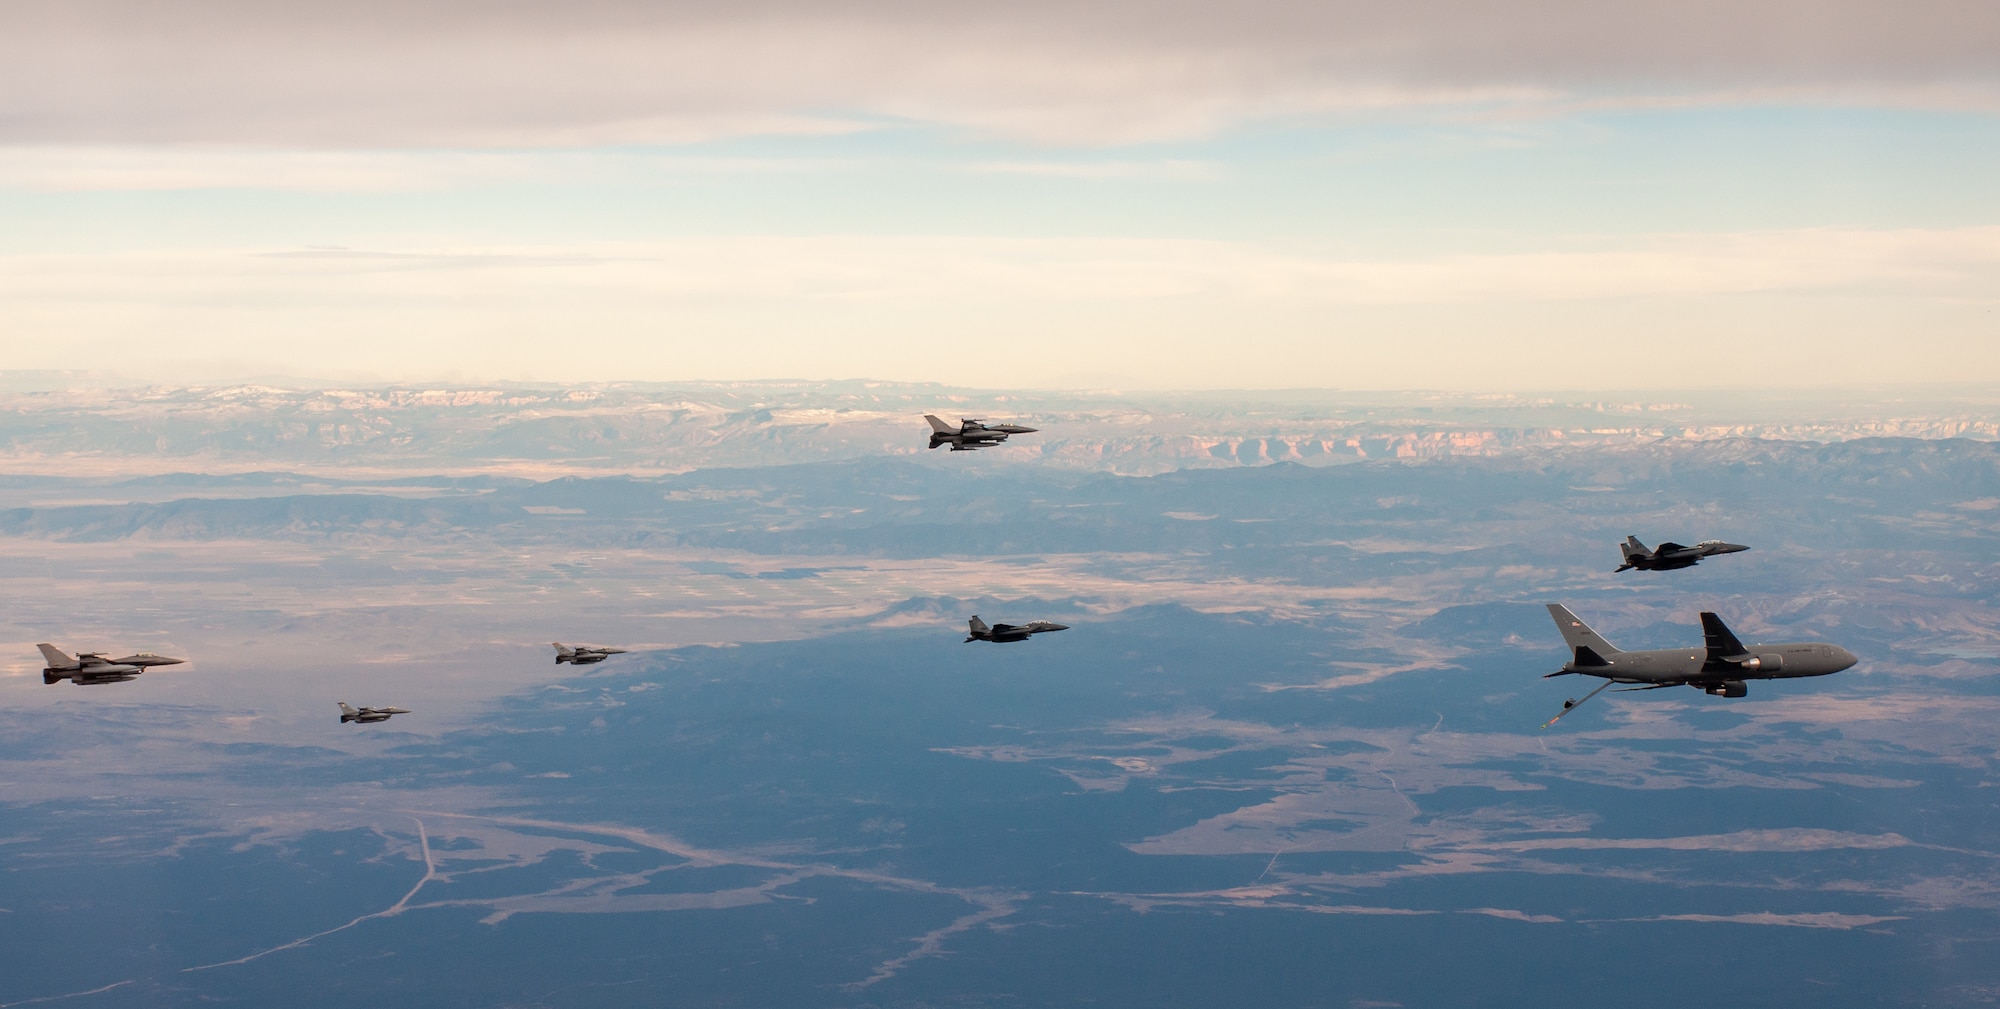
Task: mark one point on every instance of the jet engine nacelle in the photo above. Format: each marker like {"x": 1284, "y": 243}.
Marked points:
{"x": 1763, "y": 663}
{"x": 1730, "y": 688}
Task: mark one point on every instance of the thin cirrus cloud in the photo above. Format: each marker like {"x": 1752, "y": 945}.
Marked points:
{"x": 1165, "y": 312}
{"x": 38, "y": 168}
{"x": 596, "y": 72}
{"x": 1962, "y": 263}
{"x": 138, "y": 169}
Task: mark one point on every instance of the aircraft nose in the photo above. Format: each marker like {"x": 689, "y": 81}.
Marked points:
{"x": 1058, "y": 627}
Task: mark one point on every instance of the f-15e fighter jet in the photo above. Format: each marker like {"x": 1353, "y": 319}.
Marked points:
{"x": 1720, "y": 666}
{"x": 366, "y": 714}
{"x": 971, "y": 434}
{"x": 583, "y": 655}
{"x": 88, "y": 669}
{"x": 1002, "y": 633}
{"x": 1671, "y": 555}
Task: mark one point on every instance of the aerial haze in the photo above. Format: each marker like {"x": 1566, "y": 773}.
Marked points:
{"x": 358, "y": 354}
{"x": 1290, "y": 730}
{"x": 1447, "y": 195}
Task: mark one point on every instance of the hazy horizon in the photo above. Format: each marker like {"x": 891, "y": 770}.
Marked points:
{"x": 361, "y": 352}
{"x": 1442, "y": 195}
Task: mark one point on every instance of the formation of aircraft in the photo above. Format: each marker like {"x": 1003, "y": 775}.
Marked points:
{"x": 1720, "y": 666}
{"x": 971, "y": 434}
{"x": 1671, "y": 555}
{"x": 1003, "y": 633}
{"x": 349, "y": 713}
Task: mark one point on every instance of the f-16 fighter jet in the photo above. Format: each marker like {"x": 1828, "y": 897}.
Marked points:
{"x": 91, "y": 668}
{"x": 583, "y": 655}
{"x": 971, "y": 434}
{"x": 1720, "y": 667}
{"x": 1001, "y": 633}
{"x": 1671, "y": 555}
{"x": 351, "y": 714}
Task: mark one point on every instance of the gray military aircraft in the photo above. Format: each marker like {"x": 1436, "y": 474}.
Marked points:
{"x": 366, "y": 714}
{"x": 583, "y": 655}
{"x": 1671, "y": 555}
{"x": 88, "y": 669}
{"x": 1719, "y": 668}
{"x": 971, "y": 434}
{"x": 1002, "y": 633}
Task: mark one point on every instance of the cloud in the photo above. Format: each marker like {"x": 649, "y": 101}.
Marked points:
{"x": 727, "y": 307}
{"x": 462, "y": 73}
{"x": 1512, "y": 915}
{"x": 137, "y": 169}
{"x": 1809, "y": 919}
{"x": 1785, "y": 839}
{"x": 859, "y": 268}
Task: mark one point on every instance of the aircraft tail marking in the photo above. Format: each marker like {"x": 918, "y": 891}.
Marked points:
{"x": 55, "y": 657}
{"x": 1578, "y": 636}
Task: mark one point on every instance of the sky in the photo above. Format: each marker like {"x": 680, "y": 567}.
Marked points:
{"x": 1455, "y": 194}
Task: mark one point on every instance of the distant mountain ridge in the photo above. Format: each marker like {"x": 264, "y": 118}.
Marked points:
{"x": 902, "y": 506}
{"x": 543, "y": 431}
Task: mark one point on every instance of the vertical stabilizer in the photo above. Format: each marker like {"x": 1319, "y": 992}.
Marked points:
{"x": 55, "y": 657}
{"x": 978, "y": 626}
{"x": 940, "y": 426}
{"x": 1722, "y": 643}
{"x": 1633, "y": 547}
{"x": 347, "y": 709}
{"x": 1577, "y": 634}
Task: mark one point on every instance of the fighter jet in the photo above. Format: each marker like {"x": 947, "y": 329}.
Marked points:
{"x": 583, "y": 655}
{"x": 1002, "y": 633}
{"x": 971, "y": 434}
{"x": 351, "y": 714}
{"x": 1671, "y": 555}
{"x": 88, "y": 669}
{"x": 1719, "y": 668}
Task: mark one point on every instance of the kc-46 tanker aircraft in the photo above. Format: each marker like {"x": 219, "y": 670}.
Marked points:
{"x": 1720, "y": 667}
{"x": 971, "y": 434}
{"x": 1671, "y": 555}
{"x": 91, "y": 668}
